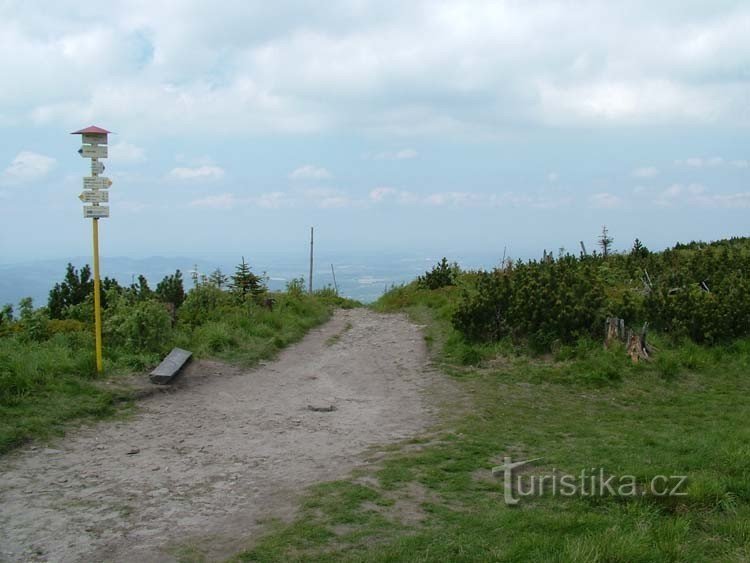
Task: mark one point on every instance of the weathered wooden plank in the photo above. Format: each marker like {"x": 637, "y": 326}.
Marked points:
{"x": 170, "y": 366}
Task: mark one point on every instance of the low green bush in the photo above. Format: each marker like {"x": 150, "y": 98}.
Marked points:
{"x": 442, "y": 274}
{"x": 138, "y": 326}
{"x": 205, "y": 303}
{"x": 540, "y": 302}
{"x": 699, "y": 292}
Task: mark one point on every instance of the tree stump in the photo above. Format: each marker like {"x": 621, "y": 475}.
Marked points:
{"x": 614, "y": 331}
{"x": 637, "y": 348}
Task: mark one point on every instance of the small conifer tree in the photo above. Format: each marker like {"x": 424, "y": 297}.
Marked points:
{"x": 605, "y": 241}
{"x": 171, "y": 290}
{"x": 218, "y": 278}
{"x": 245, "y": 282}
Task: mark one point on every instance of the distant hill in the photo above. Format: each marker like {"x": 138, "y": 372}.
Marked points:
{"x": 360, "y": 277}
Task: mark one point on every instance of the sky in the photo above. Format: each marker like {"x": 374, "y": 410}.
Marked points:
{"x": 439, "y": 126}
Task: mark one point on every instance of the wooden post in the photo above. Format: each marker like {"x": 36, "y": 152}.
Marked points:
{"x": 614, "y": 330}
{"x": 335, "y": 285}
{"x": 311, "y": 260}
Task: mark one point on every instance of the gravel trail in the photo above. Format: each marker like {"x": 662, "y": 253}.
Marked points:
{"x": 205, "y": 463}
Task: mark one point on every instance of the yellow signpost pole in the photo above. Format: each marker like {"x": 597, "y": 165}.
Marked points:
{"x": 97, "y": 299}
{"x": 95, "y": 186}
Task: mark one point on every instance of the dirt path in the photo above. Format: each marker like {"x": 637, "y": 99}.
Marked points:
{"x": 203, "y": 464}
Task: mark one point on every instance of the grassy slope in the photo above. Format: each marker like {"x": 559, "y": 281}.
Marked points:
{"x": 49, "y": 384}
{"x": 586, "y": 407}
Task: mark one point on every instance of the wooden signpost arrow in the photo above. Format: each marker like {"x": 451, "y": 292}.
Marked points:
{"x": 96, "y": 183}
{"x": 94, "y": 196}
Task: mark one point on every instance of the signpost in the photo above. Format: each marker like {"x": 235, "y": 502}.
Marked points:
{"x": 96, "y": 183}
{"x": 94, "y": 196}
{"x": 93, "y": 151}
{"x": 95, "y": 212}
{"x": 94, "y": 141}
{"x": 94, "y": 138}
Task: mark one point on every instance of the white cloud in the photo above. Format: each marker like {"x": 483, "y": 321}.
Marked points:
{"x": 468, "y": 199}
{"x": 636, "y": 100}
{"x": 402, "y": 197}
{"x": 455, "y": 198}
{"x": 309, "y": 172}
{"x": 273, "y": 200}
{"x": 606, "y": 200}
{"x": 735, "y": 200}
{"x": 679, "y": 194}
{"x": 334, "y": 202}
{"x": 132, "y": 206}
{"x": 712, "y": 162}
{"x": 697, "y": 162}
{"x": 379, "y": 194}
{"x": 206, "y": 172}
{"x": 126, "y": 152}
{"x": 645, "y": 172}
{"x": 553, "y": 177}
{"x": 364, "y": 65}
{"x": 697, "y": 195}
{"x": 220, "y": 201}
{"x": 403, "y": 154}
{"x": 327, "y": 198}
{"x": 321, "y": 198}
{"x": 27, "y": 166}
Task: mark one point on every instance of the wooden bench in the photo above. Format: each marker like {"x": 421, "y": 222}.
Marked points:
{"x": 170, "y": 366}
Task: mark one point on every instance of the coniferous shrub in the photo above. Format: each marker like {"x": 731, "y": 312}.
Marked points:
{"x": 697, "y": 291}
{"x": 76, "y": 287}
{"x": 536, "y": 301}
{"x": 245, "y": 282}
{"x": 483, "y": 314}
{"x": 171, "y": 290}
{"x": 442, "y": 274}
{"x": 73, "y": 290}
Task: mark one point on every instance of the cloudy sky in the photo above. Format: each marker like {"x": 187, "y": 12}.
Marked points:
{"x": 437, "y": 126}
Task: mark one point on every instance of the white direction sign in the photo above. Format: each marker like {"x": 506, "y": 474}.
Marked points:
{"x": 94, "y": 196}
{"x": 93, "y": 151}
{"x": 95, "y": 211}
{"x": 96, "y": 182}
{"x": 94, "y": 139}
{"x": 97, "y": 167}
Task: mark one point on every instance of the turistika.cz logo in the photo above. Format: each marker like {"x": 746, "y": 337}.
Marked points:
{"x": 589, "y": 482}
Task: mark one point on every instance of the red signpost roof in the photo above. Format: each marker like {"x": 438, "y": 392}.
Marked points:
{"x": 91, "y": 130}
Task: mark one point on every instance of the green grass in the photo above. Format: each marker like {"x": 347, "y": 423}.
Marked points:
{"x": 244, "y": 339}
{"x": 578, "y": 408}
{"x": 44, "y": 386}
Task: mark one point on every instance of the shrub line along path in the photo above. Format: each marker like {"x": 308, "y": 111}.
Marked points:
{"x": 202, "y": 466}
